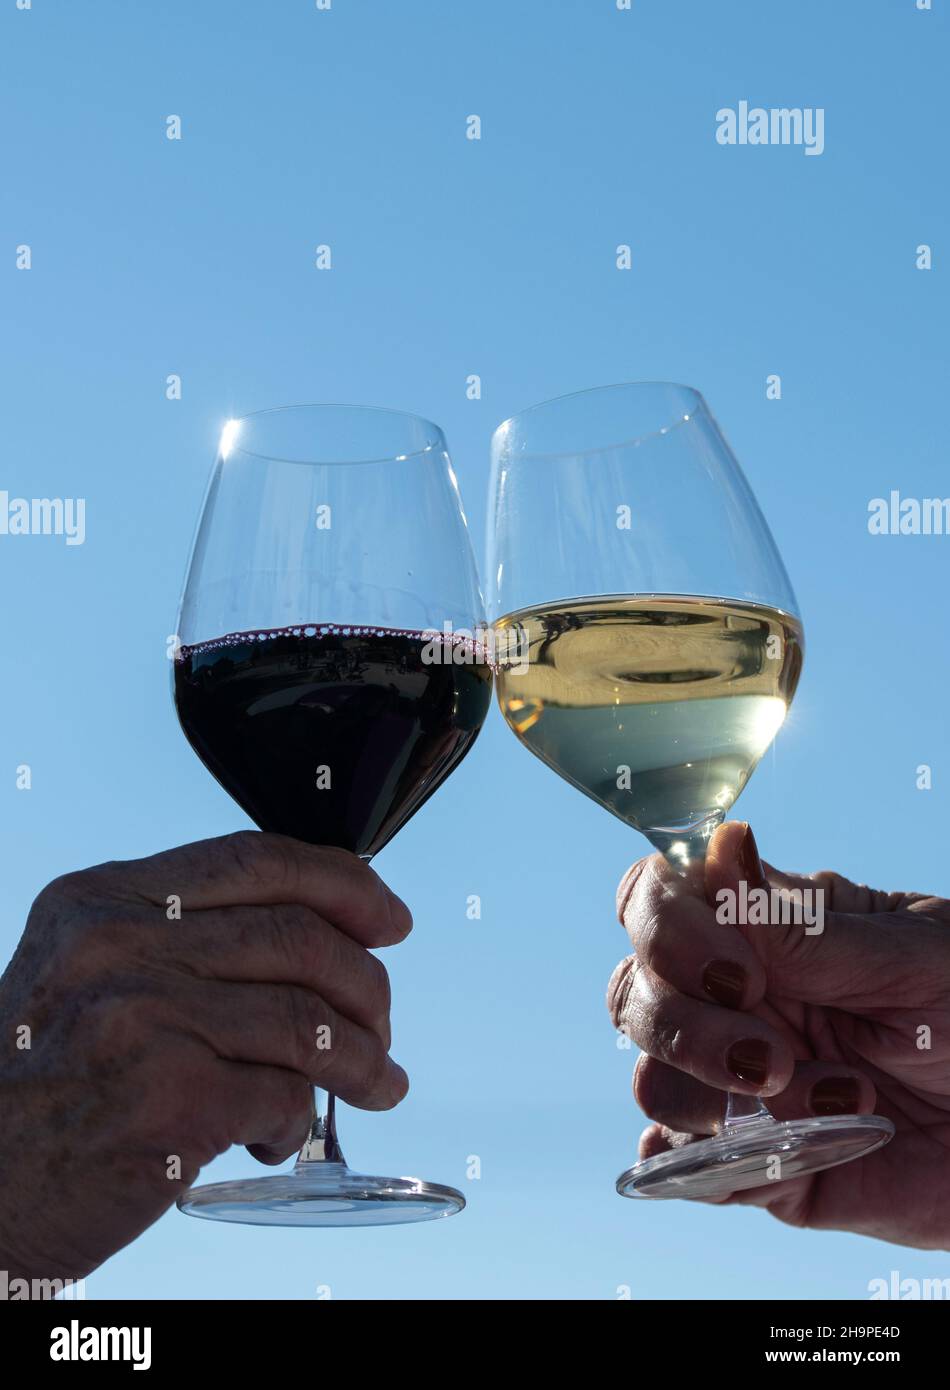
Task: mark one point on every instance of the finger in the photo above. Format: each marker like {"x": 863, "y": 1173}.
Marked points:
{"x": 733, "y": 845}
{"x": 688, "y": 883}
{"x": 287, "y": 944}
{"x": 824, "y": 1088}
{"x": 681, "y": 1103}
{"x": 807, "y": 952}
{"x": 657, "y": 1139}
{"x": 787, "y": 1199}
{"x": 285, "y": 1026}
{"x": 732, "y": 856}
{"x": 251, "y": 867}
{"x": 272, "y": 1154}
{"x": 266, "y": 1108}
{"x": 842, "y": 895}
{"x": 675, "y": 1100}
{"x": 818, "y": 955}
{"x": 731, "y": 1051}
{"x": 675, "y": 932}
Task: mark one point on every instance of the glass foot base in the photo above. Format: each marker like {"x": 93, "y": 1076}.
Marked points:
{"x": 322, "y": 1194}
{"x": 754, "y": 1153}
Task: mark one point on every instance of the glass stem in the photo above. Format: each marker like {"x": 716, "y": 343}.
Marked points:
{"x": 685, "y": 850}
{"x": 686, "y": 853}
{"x": 321, "y": 1145}
{"x": 743, "y": 1110}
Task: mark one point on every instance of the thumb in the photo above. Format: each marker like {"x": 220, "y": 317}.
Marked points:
{"x": 813, "y": 948}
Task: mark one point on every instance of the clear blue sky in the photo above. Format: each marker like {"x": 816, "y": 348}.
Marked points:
{"x": 453, "y": 257}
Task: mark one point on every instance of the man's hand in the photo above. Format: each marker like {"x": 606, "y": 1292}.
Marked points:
{"x": 152, "y": 1039}
{"x": 818, "y": 1024}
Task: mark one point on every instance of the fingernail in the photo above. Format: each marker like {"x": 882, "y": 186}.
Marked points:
{"x": 750, "y": 865}
{"x": 748, "y": 1060}
{"x": 835, "y": 1095}
{"x": 724, "y": 982}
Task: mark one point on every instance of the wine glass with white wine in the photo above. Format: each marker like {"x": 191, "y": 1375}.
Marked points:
{"x": 648, "y": 647}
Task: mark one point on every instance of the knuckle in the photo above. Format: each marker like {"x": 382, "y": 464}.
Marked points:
{"x": 91, "y": 945}
{"x": 265, "y": 861}
{"x": 188, "y": 1120}
{"x": 831, "y": 884}
{"x": 79, "y": 889}
{"x": 251, "y": 854}
{"x": 628, "y": 883}
{"x": 362, "y": 880}
{"x": 620, "y": 991}
{"x": 670, "y": 1044}
{"x": 299, "y": 1016}
{"x": 319, "y": 1035}
{"x": 66, "y": 891}
{"x": 380, "y": 989}
{"x": 296, "y": 1099}
{"x": 649, "y": 932}
{"x": 68, "y": 885}
{"x": 333, "y": 862}
{"x": 115, "y": 1025}
{"x": 282, "y": 858}
{"x": 291, "y": 935}
{"x": 288, "y": 1099}
{"x": 344, "y": 861}
{"x": 104, "y": 935}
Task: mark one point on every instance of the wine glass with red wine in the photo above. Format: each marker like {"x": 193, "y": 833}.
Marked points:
{"x": 331, "y": 673}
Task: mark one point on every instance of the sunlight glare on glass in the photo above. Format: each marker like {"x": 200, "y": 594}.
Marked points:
{"x": 768, "y": 718}
{"x": 228, "y": 435}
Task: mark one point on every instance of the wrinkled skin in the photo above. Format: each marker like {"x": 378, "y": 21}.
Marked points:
{"x": 840, "y": 1011}
{"x": 152, "y": 1039}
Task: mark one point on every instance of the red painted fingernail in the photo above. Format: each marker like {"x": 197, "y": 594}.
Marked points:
{"x": 748, "y": 1060}
{"x": 835, "y": 1095}
{"x": 724, "y": 981}
{"x": 750, "y": 865}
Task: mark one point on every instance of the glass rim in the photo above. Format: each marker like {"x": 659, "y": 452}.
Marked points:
{"x": 631, "y": 442}
{"x": 227, "y": 448}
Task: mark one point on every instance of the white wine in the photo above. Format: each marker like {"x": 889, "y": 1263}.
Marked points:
{"x": 657, "y": 706}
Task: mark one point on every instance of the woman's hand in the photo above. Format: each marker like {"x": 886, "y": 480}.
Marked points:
{"x": 854, "y": 1018}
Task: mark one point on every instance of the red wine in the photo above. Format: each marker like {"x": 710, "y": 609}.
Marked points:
{"x": 335, "y": 735}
